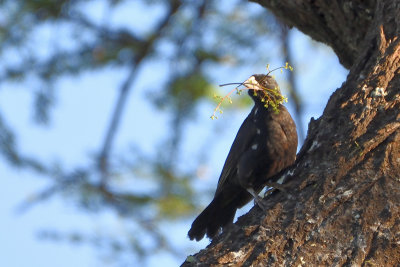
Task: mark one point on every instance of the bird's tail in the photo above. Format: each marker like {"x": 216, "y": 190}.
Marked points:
{"x": 215, "y": 216}
{"x": 219, "y": 213}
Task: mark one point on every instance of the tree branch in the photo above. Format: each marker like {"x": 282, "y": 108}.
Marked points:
{"x": 328, "y": 22}
{"x": 343, "y": 200}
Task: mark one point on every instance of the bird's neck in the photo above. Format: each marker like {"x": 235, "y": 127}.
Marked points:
{"x": 260, "y": 106}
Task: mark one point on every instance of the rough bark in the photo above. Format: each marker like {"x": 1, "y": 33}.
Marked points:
{"x": 339, "y": 24}
{"x": 343, "y": 205}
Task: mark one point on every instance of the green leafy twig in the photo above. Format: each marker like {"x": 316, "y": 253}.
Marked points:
{"x": 272, "y": 101}
{"x": 286, "y": 67}
{"x": 274, "y": 98}
{"x": 227, "y": 96}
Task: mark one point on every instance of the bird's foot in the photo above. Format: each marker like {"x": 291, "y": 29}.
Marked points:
{"x": 276, "y": 186}
{"x": 257, "y": 199}
{"x": 268, "y": 191}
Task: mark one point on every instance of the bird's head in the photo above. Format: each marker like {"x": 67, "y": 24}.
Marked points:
{"x": 264, "y": 89}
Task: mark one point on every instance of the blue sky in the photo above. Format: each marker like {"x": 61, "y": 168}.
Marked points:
{"x": 84, "y": 103}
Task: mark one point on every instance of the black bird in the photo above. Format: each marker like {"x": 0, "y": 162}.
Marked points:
{"x": 265, "y": 144}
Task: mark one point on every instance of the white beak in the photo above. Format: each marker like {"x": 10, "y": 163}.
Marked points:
{"x": 251, "y": 83}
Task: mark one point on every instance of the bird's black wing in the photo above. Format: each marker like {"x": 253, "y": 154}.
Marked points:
{"x": 229, "y": 194}
{"x": 243, "y": 140}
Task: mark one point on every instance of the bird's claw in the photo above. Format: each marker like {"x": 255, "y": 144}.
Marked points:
{"x": 257, "y": 199}
{"x": 276, "y": 186}
{"x": 259, "y": 202}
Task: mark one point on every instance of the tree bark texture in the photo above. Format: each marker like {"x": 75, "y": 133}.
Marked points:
{"x": 342, "y": 207}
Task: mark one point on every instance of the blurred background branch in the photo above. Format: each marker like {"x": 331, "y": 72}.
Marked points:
{"x": 143, "y": 52}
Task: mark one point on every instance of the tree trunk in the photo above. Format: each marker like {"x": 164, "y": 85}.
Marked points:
{"x": 343, "y": 202}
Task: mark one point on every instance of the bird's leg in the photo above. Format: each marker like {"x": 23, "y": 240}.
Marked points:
{"x": 268, "y": 191}
{"x": 257, "y": 199}
{"x": 278, "y": 186}
{"x": 274, "y": 186}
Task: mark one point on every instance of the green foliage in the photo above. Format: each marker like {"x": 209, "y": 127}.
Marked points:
{"x": 185, "y": 91}
{"x": 174, "y": 206}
